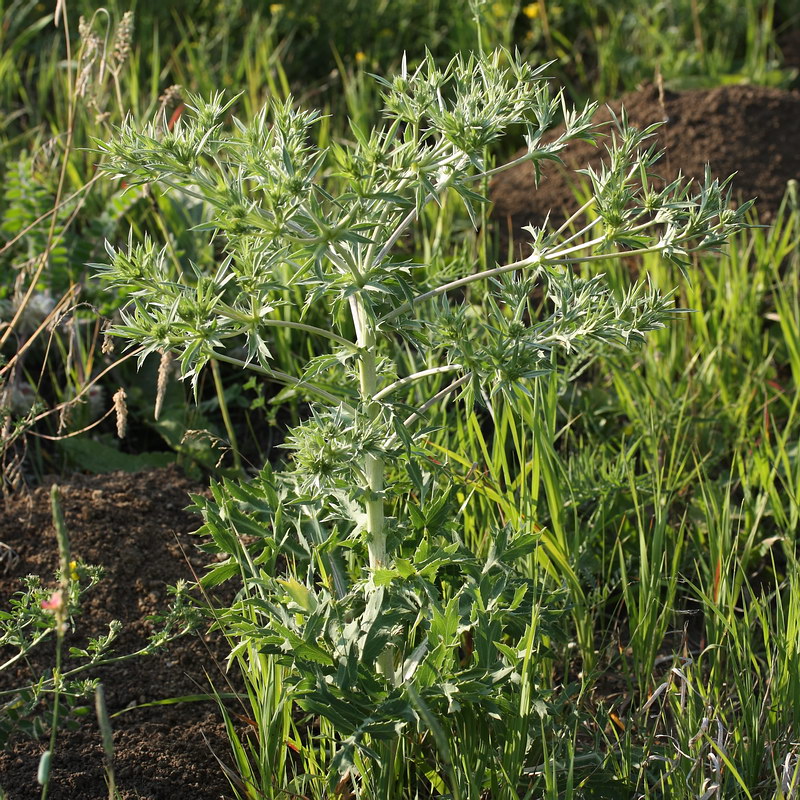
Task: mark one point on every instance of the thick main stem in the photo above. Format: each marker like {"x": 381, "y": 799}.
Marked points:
{"x": 373, "y": 465}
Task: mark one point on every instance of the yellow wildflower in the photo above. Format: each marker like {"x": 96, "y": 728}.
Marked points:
{"x": 360, "y": 57}
{"x": 531, "y": 11}
{"x": 73, "y": 570}
{"x": 275, "y": 8}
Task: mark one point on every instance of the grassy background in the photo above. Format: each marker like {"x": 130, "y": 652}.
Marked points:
{"x": 667, "y": 485}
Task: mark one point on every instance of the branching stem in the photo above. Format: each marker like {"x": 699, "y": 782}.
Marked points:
{"x": 536, "y": 259}
{"x": 301, "y": 326}
{"x": 399, "y": 384}
{"x": 422, "y": 410}
{"x": 284, "y": 377}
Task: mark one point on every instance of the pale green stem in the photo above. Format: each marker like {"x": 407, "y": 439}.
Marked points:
{"x": 642, "y": 251}
{"x": 582, "y": 210}
{"x": 373, "y": 465}
{"x": 301, "y": 326}
{"x": 226, "y": 417}
{"x": 107, "y": 738}
{"x": 422, "y": 410}
{"x": 11, "y": 661}
{"x": 412, "y": 215}
{"x": 290, "y": 380}
{"x": 446, "y": 287}
{"x": 237, "y": 316}
{"x": 535, "y": 259}
{"x": 57, "y": 678}
{"x": 398, "y": 232}
{"x": 408, "y": 219}
{"x": 489, "y": 173}
{"x": 559, "y": 254}
{"x": 60, "y": 614}
{"x": 190, "y": 192}
{"x": 586, "y": 228}
{"x": 398, "y": 384}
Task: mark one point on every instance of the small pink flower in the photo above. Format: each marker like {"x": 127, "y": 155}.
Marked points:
{"x": 54, "y": 603}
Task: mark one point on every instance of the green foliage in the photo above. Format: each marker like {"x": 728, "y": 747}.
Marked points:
{"x": 29, "y": 621}
{"x": 650, "y": 492}
{"x": 355, "y": 578}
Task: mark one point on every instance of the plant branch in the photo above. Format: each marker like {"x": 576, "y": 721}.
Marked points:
{"x": 284, "y": 377}
{"x": 13, "y": 660}
{"x": 301, "y": 326}
{"x": 423, "y": 409}
{"x": 538, "y": 260}
{"x": 398, "y": 384}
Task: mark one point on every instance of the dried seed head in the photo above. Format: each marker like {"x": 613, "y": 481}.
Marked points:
{"x": 171, "y": 96}
{"x": 82, "y": 83}
{"x": 84, "y": 28}
{"x": 108, "y": 342}
{"x": 65, "y": 416}
{"x": 121, "y": 411}
{"x": 89, "y": 51}
{"x": 161, "y": 387}
{"x": 122, "y": 40}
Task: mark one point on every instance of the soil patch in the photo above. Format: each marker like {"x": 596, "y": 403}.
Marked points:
{"x": 750, "y": 130}
{"x": 789, "y": 44}
{"x": 135, "y": 527}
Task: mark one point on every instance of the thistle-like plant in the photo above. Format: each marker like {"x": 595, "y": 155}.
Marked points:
{"x": 356, "y": 581}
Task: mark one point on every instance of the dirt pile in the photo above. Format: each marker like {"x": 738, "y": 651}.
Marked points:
{"x": 135, "y": 527}
{"x": 751, "y": 130}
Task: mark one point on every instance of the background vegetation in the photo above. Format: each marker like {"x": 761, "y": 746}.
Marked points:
{"x": 668, "y": 484}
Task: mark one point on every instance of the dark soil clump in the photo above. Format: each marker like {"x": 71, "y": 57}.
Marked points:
{"x": 750, "y": 130}
{"x": 135, "y": 527}
{"x": 789, "y": 44}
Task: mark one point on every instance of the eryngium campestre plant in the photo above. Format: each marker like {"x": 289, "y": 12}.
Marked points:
{"x": 415, "y": 653}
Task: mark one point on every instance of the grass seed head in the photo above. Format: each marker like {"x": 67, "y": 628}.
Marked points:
{"x": 121, "y": 412}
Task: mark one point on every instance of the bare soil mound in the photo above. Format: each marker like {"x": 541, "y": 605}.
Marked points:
{"x": 134, "y": 526}
{"x": 751, "y": 130}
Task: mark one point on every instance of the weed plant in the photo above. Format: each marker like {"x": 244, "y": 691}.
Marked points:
{"x": 361, "y": 596}
{"x": 54, "y": 358}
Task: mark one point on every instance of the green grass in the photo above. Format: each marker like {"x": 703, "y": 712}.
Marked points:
{"x": 666, "y": 489}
